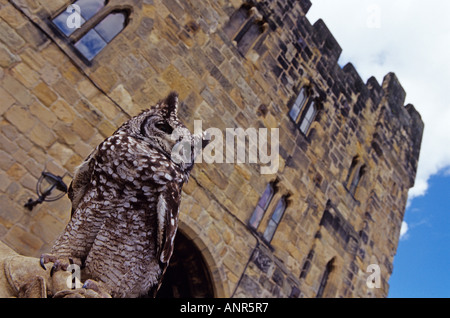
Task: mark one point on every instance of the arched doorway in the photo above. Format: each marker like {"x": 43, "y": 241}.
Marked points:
{"x": 188, "y": 275}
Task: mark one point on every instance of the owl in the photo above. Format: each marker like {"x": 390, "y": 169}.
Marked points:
{"x": 125, "y": 203}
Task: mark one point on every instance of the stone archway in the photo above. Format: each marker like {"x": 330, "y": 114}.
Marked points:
{"x": 188, "y": 275}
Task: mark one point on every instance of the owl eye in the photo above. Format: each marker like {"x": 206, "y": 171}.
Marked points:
{"x": 165, "y": 127}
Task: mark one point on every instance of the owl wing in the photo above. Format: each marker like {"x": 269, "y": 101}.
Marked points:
{"x": 81, "y": 180}
{"x": 167, "y": 211}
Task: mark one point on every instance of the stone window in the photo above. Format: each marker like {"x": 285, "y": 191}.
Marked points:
{"x": 299, "y": 103}
{"x": 308, "y": 118}
{"x": 323, "y": 282}
{"x": 89, "y": 25}
{"x": 265, "y": 203}
{"x": 355, "y": 174}
{"x": 307, "y": 264}
{"x": 262, "y": 206}
{"x": 304, "y": 110}
{"x": 77, "y": 13}
{"x": 245, "y": 27}
{"x": 275, "y": 219}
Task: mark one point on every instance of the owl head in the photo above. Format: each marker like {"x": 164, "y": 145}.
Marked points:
{"x": 160, "y": 127}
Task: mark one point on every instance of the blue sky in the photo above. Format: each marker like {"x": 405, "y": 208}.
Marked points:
{"x": 412, "y": 39}
{"x": 422, "y": 263}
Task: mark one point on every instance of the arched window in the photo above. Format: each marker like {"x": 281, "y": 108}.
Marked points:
{"x": 355, "y": 174}
{"x": 97, "y": 38}
{"x": 356, "y": 179}
{"x": 262, "y": 206}
{"x": 248, "y": 35}
{"x": 275, "y": 219}
{"x": 245, "y": 27}
{"x": 304, "y": 111}
{"x": 299, "y": 103}
{"x": 308, "y": 118}
{"x": 89, "y": 25}
{"x": 323, "y": 282}
{"x": 77, "y": 14}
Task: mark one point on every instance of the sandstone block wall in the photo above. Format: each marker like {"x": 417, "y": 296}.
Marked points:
{"x": 55, "y": 108}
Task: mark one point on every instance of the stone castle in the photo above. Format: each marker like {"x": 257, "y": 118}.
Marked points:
{"x": 348, "y": 150}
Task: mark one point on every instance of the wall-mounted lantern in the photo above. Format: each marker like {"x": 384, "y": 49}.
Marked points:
{"x": 49, "y": 188}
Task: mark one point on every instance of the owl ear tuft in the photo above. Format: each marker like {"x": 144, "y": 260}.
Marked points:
{"x": 172, "y": 102}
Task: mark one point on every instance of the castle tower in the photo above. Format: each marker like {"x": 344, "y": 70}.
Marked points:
{"x": 320, "y": 225}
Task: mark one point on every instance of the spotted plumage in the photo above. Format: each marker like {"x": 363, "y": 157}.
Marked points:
{"x": 125, "y": 203}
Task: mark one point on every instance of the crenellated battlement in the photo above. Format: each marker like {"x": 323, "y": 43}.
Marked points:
{"x": 317, "y": 52}
{"x": 325, "y": 41}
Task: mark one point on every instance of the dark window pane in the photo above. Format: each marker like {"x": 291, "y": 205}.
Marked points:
{"x": 351, "y": 170}
{"x": 294, "y": 112}
{"x": 262, "y": 206}
{"x": 356, "y": 179}
{"x": 309, "y": 118}
{"x": 90, "y": 45}
{"x": 279, "y": 211}
{"x": 275, "y": 220}
{"x": 66, "y": 22}
{"x": 298, "y": 105}
{"x": 237, "y": 20}
{"x": 324, "y": 281}
{"x": 247, "y": 37}
{"x": 266, "y": 197}
{"x": 354, "y": 183}
{"x": 256, "y": 217}
{"x": 270, "y": 231}
{"x": 111, "y": 26}
{"x": 90, "y": 7}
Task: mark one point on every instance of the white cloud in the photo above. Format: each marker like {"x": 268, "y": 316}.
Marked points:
{"x": 412, "y": 39}
{"x": 404, "y": 231}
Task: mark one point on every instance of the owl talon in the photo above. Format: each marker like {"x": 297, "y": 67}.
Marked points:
{"x": 58, "y": 265}
{"x": 46, "y": 258}
{"x": 42, "y": 263}
{"x": 90, "y": 284}
{"x": 54, "y": 269}
{"x": 96, "y": 287}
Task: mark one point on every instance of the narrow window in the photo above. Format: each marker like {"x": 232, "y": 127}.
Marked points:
{"x": 248, "y": 36}
{"x": 88, "y": 8}
{"x": 307, "y": 264}
{"x": 355, "y": 174}
{"x": 304, "y": 111}
{"x": 238, "y": 20}
{"x": 356, "y": 179}
{"x": 323, "y": 282}
{"x": 298, "y": 106}
{"x": 89, "y": 39}
{"x": 262, "y": 206}
{"x": 352, "y": 169}
{"x": 245, "y": 27}
{"x": 97, "y": 38}
{"x": 275, "y": 219}
{"x": 310, "y": 115}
